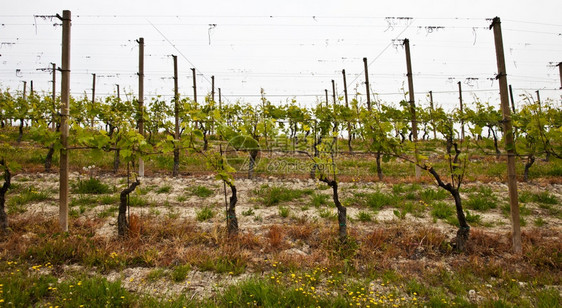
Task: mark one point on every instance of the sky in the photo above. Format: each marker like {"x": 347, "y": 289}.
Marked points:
{"x": 291, "y": 49}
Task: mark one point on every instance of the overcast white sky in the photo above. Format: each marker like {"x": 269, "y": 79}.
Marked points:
{"x": 289, "y": 48}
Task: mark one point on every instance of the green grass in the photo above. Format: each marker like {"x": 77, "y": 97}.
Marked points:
{"x": 482, "y": 200}
{"x": 15, "y": 204}
{"x": 284, "y": 211}
{"x": 270, "y": 196}
{"x": 248, "y": 212}
{"x": 90, "y": 186}
{"x": 375, "y": 201}
{"x": 179, "y": 273}
{"x": 318, "y": 200}
{"x": 364, "y": 216}
{"x": 205, "y": 213}
{"x": 442, "y": 210}
{"x": 201, "y": 191}
{"x": 138, "y": 201}
{"x": 164, "y": 189}
{"x": 428, "y": 195}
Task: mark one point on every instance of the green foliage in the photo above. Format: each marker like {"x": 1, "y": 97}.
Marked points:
{"x": 274, "y": 195}
{"x": 205, "y": 213}
{"x": 428, "y": 195}
{"x": 164, "y": 189}
{"x": 319, "y": 199}
{"x": 90, "y": 186}
{"x": 364, "y": 216}
{"x": 284, "y": 211}
{"x": 27, "y": 195}
{"x": 179, "y": 273}
{"x": 201, "y": 191}
{"x": 483, "y": 200}
{"x": 442, "y": 210}
{"x": 375, "y": 201}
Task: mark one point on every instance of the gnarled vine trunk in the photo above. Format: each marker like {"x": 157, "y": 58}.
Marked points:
{"x": 530, "y": 162}
{"x": 464, "y": 228}
{"x": 252, "y": 163}
{"x": 342, "y": 210}
{"x": 379, "y": 168}
{"x": 49, "y": 158}
{"x": 122, "y": 222}
{"x": 3, "y": 190}
{"x": 176, "y": 170}
{"x": 231, "y": 220}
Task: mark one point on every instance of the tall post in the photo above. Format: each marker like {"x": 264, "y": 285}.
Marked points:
{"x": 345, "y": 88}
{"x": 539, "y": 100}
{"x": 334, "y": 92}
{"x": 141, "y": 99}
{"x": 461, "y": 111}
{"x": 194, "y": 85}
{"x": 432, "y": 110}
{"x": 412, "y": 105}
{"x": 93, "y": 98}
{"x": 220, "y": 100}
{"x": 176, "y": 170}
{"x": 213, "y": 88}
{"x": 118, "y": 93}
{"x": 54, "y": 96}
{"x": 509, "y": 144}
{"x": 366, "y": 65}
{"x": 327, "y": 100}
{"x": 560, "y": 72}
{"x": 65, "y": 96}
{"x": 24, "y": 89}
{"x": 31, "y": 88}
{"x": 512, "y": 100}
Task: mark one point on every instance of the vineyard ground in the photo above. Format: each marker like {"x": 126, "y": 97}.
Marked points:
{"x": 286, "y": 253}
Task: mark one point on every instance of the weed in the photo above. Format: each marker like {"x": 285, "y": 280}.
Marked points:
{"x": 248, "y": 212}
{"x": 28, "y": 195}
{"x": 179, "y": 273}
{"x": 539, "y": 222}
{"x": 90, "y": 186}
{"x": 319, "y": 199}
{"x": 442, "y": 210}
{"x": 164, "y": 189}
{"x": 473, "y": 218}
{"x": 482, "y": 200}
{"x": 156, "y": 274}
{"x": 284, "y": 211}
{"x": 205, "y": 213}
{"x": 364, "y": 216}
{"x": 201, "y": 191}
{"x": 429, "y": 195}
{"x": 275, "y": 195}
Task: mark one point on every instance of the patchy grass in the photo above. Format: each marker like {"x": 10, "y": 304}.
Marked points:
{"x": 482, "y": 200}
{"x": 270, "y": 196}
{"x": 201, "y": 191}
{"x": 205, "y": 213}
{"x": 90, "y": 186}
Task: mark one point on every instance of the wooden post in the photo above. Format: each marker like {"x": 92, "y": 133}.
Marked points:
{"x": 118, "y": 93}
{"x": 213, "y": 88}
{"x": 220, "y": 100}
{"x": 93, "y": 99}
{"x": 54, "y": 96}
{"x": 512, "y": 100}
{"x": 31, "y": 88}
{"x": 345, "y": 88}
{"x": 412, "y": 105}
{"x": 334, "y": 93}
{"x": 366, "y": 65}
{"x": 176, "y": 118}
{"x": 539, "y": 100}
{"x": 65, "y": 97}
{"x": 194, "y": 85}
{"x": 432, "y": 110}
{"x": 327, "y": 100}
{"x": 141, "y": 99}
{"x": 560, "y": 72}
{"x": 24, "y": 89}
{"x": 461, "y": 111}
{"x": 509, "y": 144}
